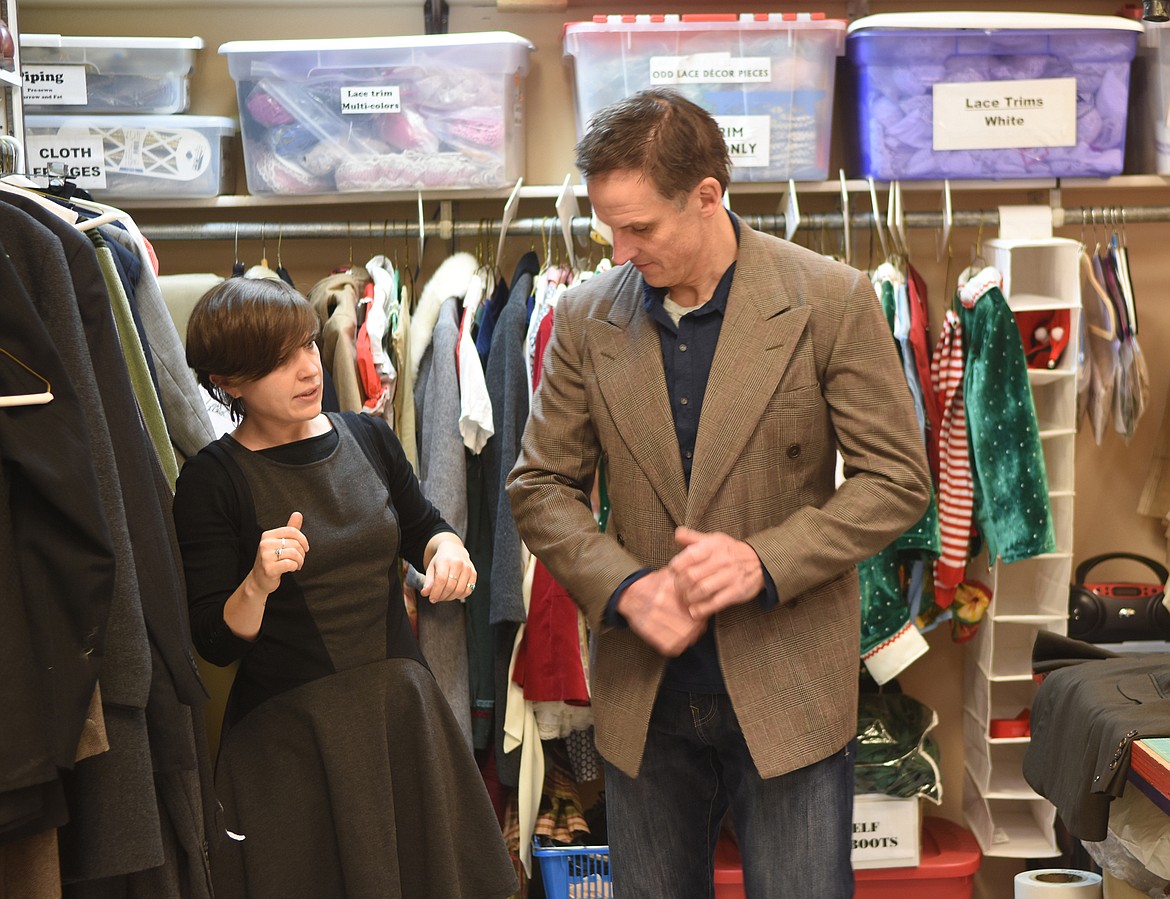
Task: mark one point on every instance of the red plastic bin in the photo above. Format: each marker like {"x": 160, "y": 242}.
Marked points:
{"x": 949, "y": 859}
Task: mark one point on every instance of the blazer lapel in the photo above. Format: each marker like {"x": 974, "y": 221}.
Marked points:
{"x": 755, "y": 345}
{"x": 628, "y": 363}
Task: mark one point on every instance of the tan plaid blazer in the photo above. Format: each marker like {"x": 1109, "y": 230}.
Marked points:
{"x": 805, "y": 365}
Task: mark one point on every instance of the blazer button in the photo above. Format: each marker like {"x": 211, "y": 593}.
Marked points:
{"x": 793, "y": 451}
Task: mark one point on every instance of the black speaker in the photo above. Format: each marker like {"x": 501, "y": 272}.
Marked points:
{"x": 1114, "y": 612}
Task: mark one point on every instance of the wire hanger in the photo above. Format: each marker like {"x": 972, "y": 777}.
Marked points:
{"x": 27, "y": 399}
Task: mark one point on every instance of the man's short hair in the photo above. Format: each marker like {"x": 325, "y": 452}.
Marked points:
{"x": 673, "y": 142}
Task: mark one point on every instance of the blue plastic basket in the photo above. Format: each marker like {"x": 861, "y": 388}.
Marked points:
{"x": 574, "y": 872}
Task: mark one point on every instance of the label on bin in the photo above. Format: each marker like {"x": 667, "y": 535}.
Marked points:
{"x": 370, "y": 99}
{"x": 1001, "y": 115}
{"x": 53, "y": 85}
{"x": 748, "y": 139}
{"x": 80, "y": 159}
{"x": 710, "y": 68}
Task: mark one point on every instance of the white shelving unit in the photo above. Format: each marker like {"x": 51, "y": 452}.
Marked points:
{"x": 1006, "y": 815}
{"x": 11, "y": 119}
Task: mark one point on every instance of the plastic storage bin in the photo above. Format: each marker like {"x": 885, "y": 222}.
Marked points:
{"x": 134, "y": 75}
{"x": 574, "y": 872}
{"x": 161, "y": 157}
{"x": 1149, "y": 138}
{"x": 381, "y": 113}
{"x": 990, "y": 95}
{"x": 950, "y": 858}
{"x": 767, "y": 78}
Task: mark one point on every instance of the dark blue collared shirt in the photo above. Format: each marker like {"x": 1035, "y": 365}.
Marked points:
{"x": 688, "y": 351}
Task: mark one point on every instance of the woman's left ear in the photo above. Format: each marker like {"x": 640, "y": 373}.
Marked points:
{"x": 223, "y": 384}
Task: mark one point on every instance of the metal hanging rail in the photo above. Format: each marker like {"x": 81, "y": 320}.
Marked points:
{"x": 365, "y": 229}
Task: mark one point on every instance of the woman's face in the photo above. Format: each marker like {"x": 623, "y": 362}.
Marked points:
{"x": 289, "y": 394}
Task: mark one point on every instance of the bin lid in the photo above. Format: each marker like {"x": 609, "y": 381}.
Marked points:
{"x": 768, "y": 21}
{"x": 994, "y": 21}
{"x": 113, "y": 43}
{"x": 400, "y": 42}
{"x": 161, "y": 122}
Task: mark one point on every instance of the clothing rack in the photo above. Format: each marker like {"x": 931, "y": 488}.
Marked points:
{"x": 1087, "y": 216}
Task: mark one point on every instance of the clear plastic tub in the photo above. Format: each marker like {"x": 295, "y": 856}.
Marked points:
{"x": 767, "y": 78}
{"x": 382, "y": 113}
{"x": 127, "y": 157}
{"x": 99, "y": 75}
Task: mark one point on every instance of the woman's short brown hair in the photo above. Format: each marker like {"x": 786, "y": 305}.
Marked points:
{"x": 673, "y": 142}
{"x": 244, "y": 328}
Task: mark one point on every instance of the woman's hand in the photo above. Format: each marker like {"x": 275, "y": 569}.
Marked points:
{"x": 450, "y": 574}
{"x": 280, "y": 550}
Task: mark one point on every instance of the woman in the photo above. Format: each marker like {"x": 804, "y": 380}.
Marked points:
{"x": 341, "y": 770}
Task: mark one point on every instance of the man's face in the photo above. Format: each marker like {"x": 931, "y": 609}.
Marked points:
{"x": 660, "y": 238}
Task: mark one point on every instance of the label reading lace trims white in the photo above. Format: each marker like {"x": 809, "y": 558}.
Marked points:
{"x": 53, "y": 85}
{"x": 748, "y": 139}
{"x": 80, "y": 159}
{"x": 366, "y": 100}
{"x": 710, "y": 68}
{"x": 1001, "y": 115}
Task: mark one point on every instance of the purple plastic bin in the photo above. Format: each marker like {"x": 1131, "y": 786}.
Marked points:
{"x": 897, "y": 59}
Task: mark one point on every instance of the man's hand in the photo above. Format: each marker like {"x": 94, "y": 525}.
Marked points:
{"x": 714, "y": 571}
{"x": 656, "y": 613}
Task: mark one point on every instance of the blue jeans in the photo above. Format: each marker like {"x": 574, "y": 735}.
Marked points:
{"x": 794, "y": 831}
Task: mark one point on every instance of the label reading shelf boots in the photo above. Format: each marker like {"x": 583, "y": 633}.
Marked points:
{"x": 80, "y": 159}
{"x": 710, "y": 68}
{"x": 1001, "y": 115}
{"x": 370, "y": 99}
{"x": 53, "y": 85}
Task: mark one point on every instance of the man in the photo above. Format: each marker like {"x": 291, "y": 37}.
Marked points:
{"x": 724, "y": 593}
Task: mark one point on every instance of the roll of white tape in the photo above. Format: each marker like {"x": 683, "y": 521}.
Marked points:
{"x": 1058, "y": 883}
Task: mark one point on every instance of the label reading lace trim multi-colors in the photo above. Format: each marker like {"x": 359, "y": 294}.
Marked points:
{"x": 370, "y": 99}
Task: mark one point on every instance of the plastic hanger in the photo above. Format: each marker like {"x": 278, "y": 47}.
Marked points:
{"x": 27, "y": 399}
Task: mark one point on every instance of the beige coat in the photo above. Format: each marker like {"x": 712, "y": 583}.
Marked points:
{"x": 805, "y": 366}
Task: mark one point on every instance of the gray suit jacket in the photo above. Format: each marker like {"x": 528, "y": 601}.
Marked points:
{"x": 805, "y": 366}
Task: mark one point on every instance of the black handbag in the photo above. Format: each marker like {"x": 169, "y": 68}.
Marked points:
{"x": 1116, "y": 611}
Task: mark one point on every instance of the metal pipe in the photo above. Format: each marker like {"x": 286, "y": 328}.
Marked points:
{"x": 364, "y": 230}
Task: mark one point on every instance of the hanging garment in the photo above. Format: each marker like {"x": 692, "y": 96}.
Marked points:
{"x": 1011, "y": 506}
{"x": 475, "y": 406}
{"x": 955, "y": 488}
{"x": 138, "y": 815}
{"x": 442, "y": 627}
{"x": 507, "y": 384}
{"x": 889, "y": 587}
{"x": 334, "y": 299}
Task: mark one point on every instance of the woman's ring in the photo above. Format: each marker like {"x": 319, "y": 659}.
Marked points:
{"x": 279, "y": 550}
{"x": 282, "y": 543}
{"x": 470, "y": 587}
{"x": 452, "y": 577}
